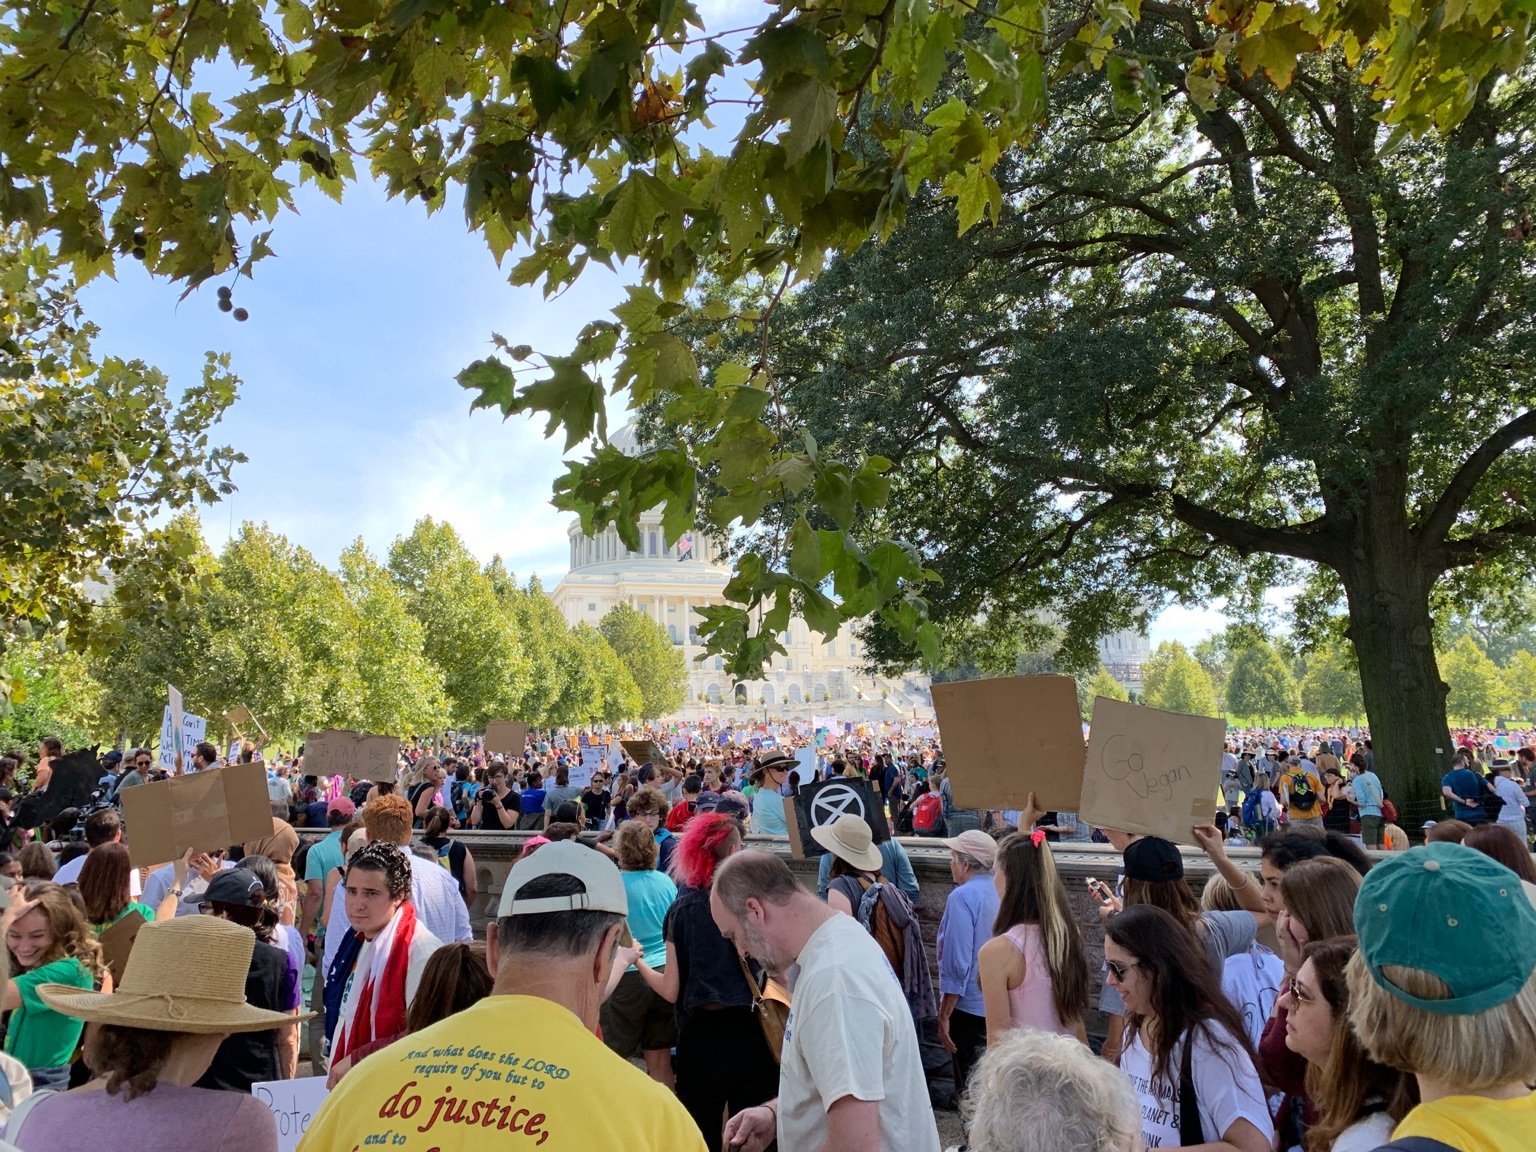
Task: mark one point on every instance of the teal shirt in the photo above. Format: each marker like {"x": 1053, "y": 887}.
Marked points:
{"x": 650, "y": 894}
{"x": 324, "y": 856}
{"x": 38, "y": 1036}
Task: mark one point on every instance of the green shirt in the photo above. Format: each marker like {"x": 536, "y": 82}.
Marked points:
{"x": 38, "y": 1036}
{"x": 143, "y": 910}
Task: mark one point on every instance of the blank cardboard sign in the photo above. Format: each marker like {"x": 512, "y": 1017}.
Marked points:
{"x": 644, "y": 752}
{"x": 339, "y": 752}
{"x": 1150, "y": 771}
{"x": 506, "y": 738}
{"x": 1007, "y": 737}
{"x": 205, "y": 811}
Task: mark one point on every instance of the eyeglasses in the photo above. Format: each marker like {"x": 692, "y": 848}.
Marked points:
{"x": 142, "y": 763}
{"x": 1118, "y": 970}
{"x": 1299, "y": 992}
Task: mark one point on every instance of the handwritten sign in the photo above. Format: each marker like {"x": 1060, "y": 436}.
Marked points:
{"x": 193, "y": 729}
{"x": 293, "y": 1104}
{"x": 1150, "y": 771}
{"x": 1007, "y": 737}
{"x": 506, "y": 737}
{"x": 339, "y": 752}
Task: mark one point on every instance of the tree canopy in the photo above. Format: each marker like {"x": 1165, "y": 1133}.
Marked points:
{"x": 1260, "y": 686}
{"x": 644, "y": 647}
{"x": 96, "y": 456}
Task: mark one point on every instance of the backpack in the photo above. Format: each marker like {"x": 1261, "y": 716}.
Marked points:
{"x": 887, "y": 915}
{"x": 904, "y": 820}
{"x": 1493, "y": 803}
{"x": 928, "y": 813}
{"x": 1388, "y": 810}
{"x": 1303, "y": 795}
{"x": 1253, "y": 809}
{"x": 359, "y": 793}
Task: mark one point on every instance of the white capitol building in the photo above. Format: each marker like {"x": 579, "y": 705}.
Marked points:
{"x": 815, "y": 676}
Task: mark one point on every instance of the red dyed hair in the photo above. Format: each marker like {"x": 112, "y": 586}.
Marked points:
{"x": 708, "y": 839}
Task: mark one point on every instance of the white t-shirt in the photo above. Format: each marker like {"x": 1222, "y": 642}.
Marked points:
{"x": 1515, "y": 802}
{"x": 1226, "y": 1085}
{"x": 1366, "y": 1134}
{"x": 850, "y": 1033}
{"x": 70, "y": 874}
{"x": 1251, "y": 981}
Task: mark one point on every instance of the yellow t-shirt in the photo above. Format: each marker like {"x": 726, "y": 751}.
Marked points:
{"x": 1475, "y": 1123}
{"x": 511, "y": 1072}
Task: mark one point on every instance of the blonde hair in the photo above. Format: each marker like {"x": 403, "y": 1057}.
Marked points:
{"x": 1217, "y": 895}
{"x": 1470, "y": 1053}
{"x": 1039, "y": 1092}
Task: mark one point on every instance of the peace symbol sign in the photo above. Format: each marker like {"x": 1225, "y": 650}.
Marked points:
{"x": 834, "y": 800}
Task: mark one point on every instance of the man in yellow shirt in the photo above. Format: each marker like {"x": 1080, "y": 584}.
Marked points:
{"x": 523, "y": 1068}
{"x": 1444, "y": 986}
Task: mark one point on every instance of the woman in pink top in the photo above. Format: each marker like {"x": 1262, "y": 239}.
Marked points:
{"x": 1034, "y": 972}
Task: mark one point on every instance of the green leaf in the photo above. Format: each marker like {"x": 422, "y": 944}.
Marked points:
{"x": 810, "y": 106}
{"x": 804, "y": 551}
{"x": 495, "y": 383}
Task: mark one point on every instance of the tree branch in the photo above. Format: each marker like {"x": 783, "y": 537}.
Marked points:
{"x": 1442, "y": 517}
{"x": 1312, "y": 541}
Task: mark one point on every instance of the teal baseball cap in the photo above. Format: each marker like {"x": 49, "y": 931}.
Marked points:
{"x": 1451, "y": 911}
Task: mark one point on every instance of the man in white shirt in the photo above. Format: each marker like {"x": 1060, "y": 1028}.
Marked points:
{"x": 104, "y": 826}
{"x": 439, "y": 907}
{"x": 851, "y": 1077}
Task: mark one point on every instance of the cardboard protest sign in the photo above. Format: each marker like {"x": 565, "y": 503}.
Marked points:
{"x": 339, "y": 752}
{"x": 1150, "y": 771}
{"x": 1007, "y": 737}
{"x": 117, "y": 942}
{"x": 506, "y": 737}
{"x": 182, "y": 735}
{"x": 644, "y": 751}
{"x": 204, "y": 811}
{"x": 823, "y": 802}
{"x": 293, "y": 1104}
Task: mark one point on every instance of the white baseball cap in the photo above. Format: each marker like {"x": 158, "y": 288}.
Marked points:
{"x": 598, "y": 874}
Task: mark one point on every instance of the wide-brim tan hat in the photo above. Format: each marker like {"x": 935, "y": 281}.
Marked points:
{"x": 183, "y": 975}
{"x": 848, "y": 838}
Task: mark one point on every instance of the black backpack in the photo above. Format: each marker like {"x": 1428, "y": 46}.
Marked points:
{"x": 1303, "y": 795}
{"x": 1493, "y": 803}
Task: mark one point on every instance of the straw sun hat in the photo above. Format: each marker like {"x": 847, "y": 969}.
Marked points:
{"x": 183, "y": 975}
{"x": 849, "y": 838}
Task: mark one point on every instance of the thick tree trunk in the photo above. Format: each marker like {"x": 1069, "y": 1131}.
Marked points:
{"x": 1388, "y": 583}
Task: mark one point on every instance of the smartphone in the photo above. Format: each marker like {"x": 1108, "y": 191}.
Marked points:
{"x": 1100, "y": 890}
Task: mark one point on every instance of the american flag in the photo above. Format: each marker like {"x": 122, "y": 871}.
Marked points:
{"x": 685, "y": 546}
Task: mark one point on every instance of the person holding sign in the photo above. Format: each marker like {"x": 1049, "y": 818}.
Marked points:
{"x": 182, "y": 994}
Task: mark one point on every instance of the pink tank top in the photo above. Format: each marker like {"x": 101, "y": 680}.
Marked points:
{"x": 1031, "y": 1004}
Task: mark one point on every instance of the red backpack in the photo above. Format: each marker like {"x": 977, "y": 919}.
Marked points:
{"x": 928, "y": 813}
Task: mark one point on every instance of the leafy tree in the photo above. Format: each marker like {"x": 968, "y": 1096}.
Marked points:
{"x": 643, "y": 646}
{"x": 1101, "y": 683}
{"x": 402, "y": 690}
{"x": 280, "y": 635}
{"x": 1331, "y": 685}
{"x": 1173, "y": 680}
{"x": 1261, "y": 686}
{"x": 53, "y": 694}
{"x": 617, "y": 697}
{"x": 1477, "y": 690}
{"x": 128, "y": 133}
{"x": 95, "y": 457}
{"x": 1520, "y": 683}
{"x": 471, "y": 633}
{"x": 1169, "y": 408}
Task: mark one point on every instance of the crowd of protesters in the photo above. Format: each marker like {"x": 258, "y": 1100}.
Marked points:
{"x": 651, "y": 977}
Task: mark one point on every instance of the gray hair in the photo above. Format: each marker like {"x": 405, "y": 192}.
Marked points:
{"x": 1039, "y": 1092}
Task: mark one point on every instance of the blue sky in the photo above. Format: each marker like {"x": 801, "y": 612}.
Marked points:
{"x": 348, "y": 408}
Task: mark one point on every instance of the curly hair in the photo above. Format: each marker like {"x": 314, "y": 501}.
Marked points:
{"x": 648, "y": 802}
{"x": 708, "y": 839}
{"x": 389, "y": 859}
{"x": 130, "y": 1058}
{"x": 72, "y": 936}
{"x": 636, "y": 847}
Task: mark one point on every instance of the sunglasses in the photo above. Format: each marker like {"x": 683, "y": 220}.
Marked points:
{"x": 142, "y": 763}
{"x": 1118, "y": 970}
{"x": 1299, "y": 992}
